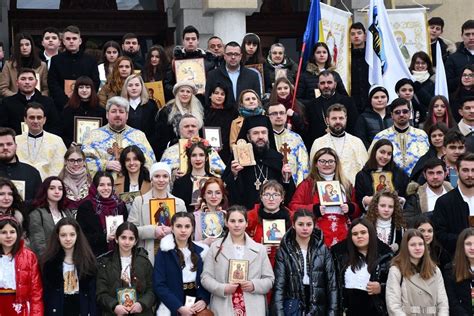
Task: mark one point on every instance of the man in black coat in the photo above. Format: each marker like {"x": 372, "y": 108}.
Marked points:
{"x": 315, "y": 111}
{"x": 462, "y": 57}
{"x": 12, "y": 109}
{"x": 70, "y": 65}
{"x": 11, "y": 168}
{"x": 454, "y": 209}
{"x": 244, "y": 183}
{"x": 232, "y": 75}
{"x": 359, "y": 68}
{"x": 131, "y": 48}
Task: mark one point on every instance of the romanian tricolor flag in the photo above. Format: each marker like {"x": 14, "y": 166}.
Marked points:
{"x": 314, "y": 30}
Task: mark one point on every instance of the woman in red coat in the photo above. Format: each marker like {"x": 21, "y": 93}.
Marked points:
{"x": 331, "y": 220}
{"x": 20, "y": 281}
{"x": 271, "y": 207}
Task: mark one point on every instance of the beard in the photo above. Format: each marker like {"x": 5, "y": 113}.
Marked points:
{"x": 260, "y": 150}
{"x": 7, "y": 159}
{"x": 468, "y": 183}
{"x": 337, "y": 130}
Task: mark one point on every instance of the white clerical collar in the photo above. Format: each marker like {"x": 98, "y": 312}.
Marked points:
{"x": 134, "y": 103}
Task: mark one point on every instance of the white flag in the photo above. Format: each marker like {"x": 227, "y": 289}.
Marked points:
{"x": 441, "y": 84}
{"x": 386, "y": 63}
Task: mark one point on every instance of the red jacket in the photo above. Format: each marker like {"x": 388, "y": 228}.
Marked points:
{"x": 29, "y": 288}
{"x": 255, "y": 230}
{"x": 305, "y": 199}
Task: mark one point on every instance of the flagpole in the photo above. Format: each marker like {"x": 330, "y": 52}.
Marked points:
{"x": 298, "y": 73}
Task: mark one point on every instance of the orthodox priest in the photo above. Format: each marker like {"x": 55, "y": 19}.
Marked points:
{"x": 103, "y": 146}
{"x": 244, "y": 183}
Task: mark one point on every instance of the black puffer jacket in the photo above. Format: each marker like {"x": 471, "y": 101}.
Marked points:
{"x": 369, "y": 124}
{"x": 380, "y": 274}
{"x": 455, "y": 64}
{"x": 289, "y": 276}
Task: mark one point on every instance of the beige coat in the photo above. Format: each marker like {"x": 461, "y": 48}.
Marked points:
{"x": 140, "y": 216}
{"x": 416, "y": 296}
{"x": 9, "y": 76}
{"x": 215, "y": 277}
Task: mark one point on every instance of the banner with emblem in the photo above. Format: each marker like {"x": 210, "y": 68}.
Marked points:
{"x": 336, "y": 25}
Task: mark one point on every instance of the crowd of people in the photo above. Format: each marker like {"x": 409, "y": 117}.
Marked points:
{"x": 313, "y": 198}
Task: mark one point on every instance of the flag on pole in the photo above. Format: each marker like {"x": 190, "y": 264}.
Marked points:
{"x": 385, "y": 60}
{"x": 314, "y": 29}
{"x": 441, "y": 84}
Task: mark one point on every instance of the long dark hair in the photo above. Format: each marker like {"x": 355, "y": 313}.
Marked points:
{"x": 435, "y": 127}
{"x": 150, "y": 71}
{"x": 458, "y": 91}
{"x": 356, "y": 259}
{"x": 431, "y": 119}
{"x": 18, "y": 203}
{"x": 18, "y": 61}
{"x": 144, "y": 173}
{"x": 189, "y": 152}
{"x": 108, "y": 44}
{"x": 434, "y": 246}
{"x": 234, "y": 208}
{"x": 83, "y": 257}
{"x": 461, "y": 265}
{"x": 328, "y": 63}
{"x": 5, "y": 220}
{"x": 423, "y": 56}
{"x": 256, "y": 58}
{"x": 41, "y": 198}
{"x": 75, "y": 101}
{"x": 371, "y": 163}
{"x": 194, "y": 255}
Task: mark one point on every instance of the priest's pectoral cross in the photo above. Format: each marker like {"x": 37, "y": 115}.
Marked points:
{"x": 115, "y": 150}
{"x": 257, "y": 184}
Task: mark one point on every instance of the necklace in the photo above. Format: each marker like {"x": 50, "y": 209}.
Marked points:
{"x": 257, "y": 182}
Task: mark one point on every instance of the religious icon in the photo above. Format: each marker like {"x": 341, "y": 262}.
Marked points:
{"x": 329, "y": 193}
{"x": 83, "y": 125}
{"x": 238, "y": 270}
{"x": 280, "y": 73}
{"x": 382, "y": 180}
{"x": 212, "y": 224}
{"x": 69, "y": 87}
{"x": 243, "y": 153}
{"x": 156, "y": 92}
{"x": 191, "y": 70}
{"x": 127, "y": 296}
{"x": 161, "y": 211}
{"x": 129, "y": 197}
{"x": 198, "y": 183}
{"x": 183, "y": 158}
{"x": 273, "y": 231}
{"x": 213, "y": 135}
{"x": 112, "y": 223}
{"x": 20, "y": 185}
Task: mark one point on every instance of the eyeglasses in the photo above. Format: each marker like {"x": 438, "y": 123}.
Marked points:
{"x": 233, "y": 54}
{"x": 467, "y": 76}
{"x": 74, "y": 161}
{"x": 398, "y": 112}
{"x": 326, "y": 162}
{"x": 215, "y": 46}
{"x": 271, "y": 196}
{"x": 281, "y": 113}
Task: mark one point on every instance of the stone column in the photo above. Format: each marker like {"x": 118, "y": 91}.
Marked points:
{"x": 229, "y": 17}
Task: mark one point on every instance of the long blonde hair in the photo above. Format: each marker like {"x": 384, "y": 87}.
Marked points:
{"x": 144, "y": 97}
{"x": 195, "y": 108}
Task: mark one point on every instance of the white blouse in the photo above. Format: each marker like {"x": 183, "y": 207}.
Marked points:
{"x": 7, "y": 273}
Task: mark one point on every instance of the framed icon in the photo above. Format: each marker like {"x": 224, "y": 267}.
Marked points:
{"x": 191, "y": 70}
{"x": 213, "y": 135}
{"x": 112, "y": 222}
{"x": 129, "y": 197}
{"x": 183, "y": 158}
{"x": 156, "y": 92}
{"x": 243, "y": 153}
{"x": 238, "y": 270}
{"x": 198, "y": 183}
{"x": 273, "y": 230}
{"x": 126, "y": 297}
{"x": 382, "y": 180}
{"x": 212, "y": 224}
{"x": 161, "y": 211}
{"x": 329, "y": 193}
{"x": 83, "y": 125}
{"x": 69, "y": 87}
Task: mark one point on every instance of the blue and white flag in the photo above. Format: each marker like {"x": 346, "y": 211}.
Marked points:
{"x": 441, "y": 84}
{"x": 386, "y": 63}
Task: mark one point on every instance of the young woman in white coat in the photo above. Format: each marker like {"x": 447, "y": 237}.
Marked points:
{"x": 150, "y": 234}
{"x": 246, "y": 297}
{"x": 415, "y": 284}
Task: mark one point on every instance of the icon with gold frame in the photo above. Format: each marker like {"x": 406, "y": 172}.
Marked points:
{"x": 238, "y": 270}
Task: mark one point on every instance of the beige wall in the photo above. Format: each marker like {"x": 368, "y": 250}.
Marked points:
{"x": 454, "y": 14}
